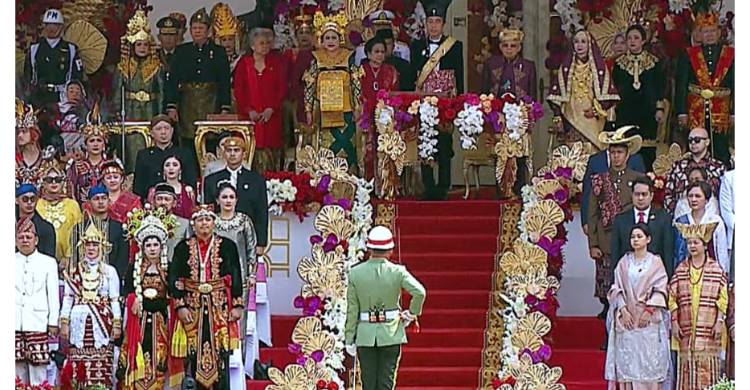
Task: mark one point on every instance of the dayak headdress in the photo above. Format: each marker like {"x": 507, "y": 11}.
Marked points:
{"x": 25, "y": 117}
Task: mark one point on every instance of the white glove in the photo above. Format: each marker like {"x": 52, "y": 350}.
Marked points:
{"x": 351, "y": 350}
{"x": 407, "y": 317}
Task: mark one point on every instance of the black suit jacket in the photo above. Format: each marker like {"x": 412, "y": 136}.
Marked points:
{"x": 454, "y": 60}
{"x": 251, "y": 197}
{"x": 149, "y": 163}
{"x": 662, "y": 236}
{"x": 46, "y": 233}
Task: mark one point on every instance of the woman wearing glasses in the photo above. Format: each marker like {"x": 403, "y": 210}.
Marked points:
{"x": 57, "y": 208}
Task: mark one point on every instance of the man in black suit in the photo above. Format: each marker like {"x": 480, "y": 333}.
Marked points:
{"x": 149, "y": 162}
{"x": 251, "y": 188}
{"x": 659, "y": 224}
{"x": 405, "y": 70}
{"x": 26, "y": 199}
{"x": 439, "y": 61}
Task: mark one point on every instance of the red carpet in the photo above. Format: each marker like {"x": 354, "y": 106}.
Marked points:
{"x": 449, "y": 247}
{"x": 576, "y": 351}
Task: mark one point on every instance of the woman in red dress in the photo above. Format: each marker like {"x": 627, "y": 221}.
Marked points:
{"x": 121, "y": 201}
{"x": 259, "y": 88}
{"x": 377, "y": 76}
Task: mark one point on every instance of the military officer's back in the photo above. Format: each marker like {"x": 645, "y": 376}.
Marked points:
{"x": 374, "y": 319}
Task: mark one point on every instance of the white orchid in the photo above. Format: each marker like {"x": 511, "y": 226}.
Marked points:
{"x": 570, "y": 16}
{"x": 469, "y": 122}
{"x": 428, "y": 119}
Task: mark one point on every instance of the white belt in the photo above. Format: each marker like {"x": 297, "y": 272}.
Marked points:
{"x": 389, "y": 315}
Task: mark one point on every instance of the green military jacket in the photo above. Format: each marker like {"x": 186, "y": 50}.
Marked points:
{"x": 374, "y": 283}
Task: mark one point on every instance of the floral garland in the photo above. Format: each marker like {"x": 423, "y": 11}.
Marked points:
{"x": 470, "y": 123}
{"x": 318, "y": 337}
{"x": 428, "y": 121}
{"x": 533, "y": 272}
{"x": 279, "y": 192}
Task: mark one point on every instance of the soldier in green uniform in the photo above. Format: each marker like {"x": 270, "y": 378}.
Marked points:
{"x": 374, "y": 320}
{"x": 168, "y": 27}
{"x": 51, "y": 62}
{"x": 198, "y": 82}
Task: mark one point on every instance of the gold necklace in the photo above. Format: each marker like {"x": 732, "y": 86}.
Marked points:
{"x": 91, "y": 282}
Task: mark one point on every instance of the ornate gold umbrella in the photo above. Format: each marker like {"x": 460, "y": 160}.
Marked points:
{"x": 92, "y": 45}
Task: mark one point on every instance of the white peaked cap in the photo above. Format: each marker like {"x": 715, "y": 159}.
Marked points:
{"x": 53, "y": 16}
{"x": 380, "y": 238}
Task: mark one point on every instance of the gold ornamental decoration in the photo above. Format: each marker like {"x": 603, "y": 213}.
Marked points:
{"x": 534, "y": 282}
{"x": 505, "y": 149}
{"x": 308, "y": 333}
{"x": 91, "y": 43}
{"x": 323, "y": 162}
{"x": 623, "y": 15}
{"x": 540, "y": 376}
{"x": 297, "y": 377}
{"x": 332, "y": 220}
{"x": 574, "y": 157}
{"x": 663, "y": 163}
{"x": 546, "y": 187}
{"x": 542, "y": 220}
{"x": 322, "y": 273}
{"x": 536, "y": 323}
{"x": 524, "y": 256}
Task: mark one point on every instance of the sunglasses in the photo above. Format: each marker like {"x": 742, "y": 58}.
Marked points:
{"x": 55, "y": 179}
{"x": 696, "y": 140}
{"x": 27, "y": 199}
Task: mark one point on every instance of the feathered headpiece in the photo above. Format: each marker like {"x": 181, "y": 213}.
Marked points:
{"x": 703, "y": 232}
{"x": 224, "y": 23}
{"x": 94, "y": 126}
{"x": 336, "y": 23}
{"x": 138, "y": 28}
{"x": 25, "y": 116}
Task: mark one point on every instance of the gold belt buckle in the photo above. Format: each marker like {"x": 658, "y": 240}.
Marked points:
{"x": 142, "y": 96}
{"x": 707, "y": 94}
{"x": 205, "y": 288}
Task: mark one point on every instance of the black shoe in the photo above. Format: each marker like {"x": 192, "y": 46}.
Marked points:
{"x": 604, "y": 346}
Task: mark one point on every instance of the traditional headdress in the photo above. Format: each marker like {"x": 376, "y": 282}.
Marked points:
{"x": 94, "y": 126}
{"x": 111, "y": 167}
{"x": 25, "y": 225}
{"x": 436, "y": 8}
{"x": 51, "y": 164}
{"x": 703, "y": 232}
{"x": 709, "y": 19}
{"x": 303, "y": 23}
{"x": 225, "y": 24}
{"x": 164, "y": 188}
{"x": 233, "y": 139}
{"x": 511, "y": 36}
{"x": 336, "y": 23}
{"x": 203, "y": 210}
{"x": 138, "y": 28}
{"x": 201, "y": 16}
{"x": 25, "y": 117}
{"x": 180, "y": 17}
{"x": 94, "y": 235}
{"x": 617, "y": 137}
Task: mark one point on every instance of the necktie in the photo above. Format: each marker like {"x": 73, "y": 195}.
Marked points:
{"x": 641, "y": 217}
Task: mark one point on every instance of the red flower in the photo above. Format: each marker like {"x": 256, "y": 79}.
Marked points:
{"x": 66, "y": 376}
{"x": 496, "y": 383}
{"x": 450, "y": 113}
{"x": 321, "y": 384}
{"x": 497, "y": 105}
{"x": 333, "y": 386}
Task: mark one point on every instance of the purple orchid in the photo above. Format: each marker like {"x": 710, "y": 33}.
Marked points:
{"x": 552, "y": 247}
{"x": 331, "y": 242}
{"x": 316, "y": 239}
{"x": 299, "y": 302}
{"x": 317, "y": 356}
{"x": 542, "y": 355}
{"x": 564, "y": 172}
{"x": 537, "y": 110}
{"x": 549, "y": 176}
{"x": 493, "y": 118}
{"x": 312, "y": 304}
{"x": 294, "y": 348}
{"x": 345, "y": 203}
{"x": 527, "y": 99}
{"x": 472, "y": 99}
{"x": 561, "y": 195}
{"x": 355, "y": 37}
{"x": 301, "y": 360}
{"x": 328, "y": 199}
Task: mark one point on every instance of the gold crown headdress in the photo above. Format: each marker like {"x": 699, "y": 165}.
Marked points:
{"x": 203, "y": 210}
{"x": 138, "y": 28}
{"x": 511, "y": 35}
{"x": 323, "y": 23}
{"x": 710, "y": 19}
{"x": 25, "y": 117}
{"x": 94, "y": 235}
{"x": 150, "y": 221}
{"x": 94, "y": 126}
{"x": 703, "y": 232}
{"x": 224, "y": 23}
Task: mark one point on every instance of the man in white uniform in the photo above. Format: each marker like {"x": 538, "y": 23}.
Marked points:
{"x": 382, "y": 20}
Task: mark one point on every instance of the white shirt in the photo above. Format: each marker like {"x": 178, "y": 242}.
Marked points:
{"x": 37, "y": 292}
{"x": 52, "y": 42}
{"x": 432, "y": 46}
{"x": 726, "y": 203}
{"x": 645, "y": 212}
{"x": 233, "y": 175}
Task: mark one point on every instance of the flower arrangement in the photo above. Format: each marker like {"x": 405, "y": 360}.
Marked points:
{"x": 722, "y": 384}
{"x": 289, "y": 191}
{"x": 428, "y": 121}
{"x": 533, "y": 272}
{"x": 469, "y": 122}
{"x": 318, "y": 337}
{"x": 21, "y": 385}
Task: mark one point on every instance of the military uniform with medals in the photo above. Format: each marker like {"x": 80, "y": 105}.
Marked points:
{"x": 383, "y": 18}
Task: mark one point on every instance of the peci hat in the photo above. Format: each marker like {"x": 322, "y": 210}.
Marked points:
{"x": 618, "y": 137}
{"x": 380, "y": 238}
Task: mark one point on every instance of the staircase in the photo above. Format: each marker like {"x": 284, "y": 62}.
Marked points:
{"x": 576, "y": 343}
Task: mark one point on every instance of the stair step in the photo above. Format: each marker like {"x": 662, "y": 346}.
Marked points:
{"x": 453, "y": 299}
{"x": 410, "y": 356}
{"x": 598, "y": 384}
{"x": 446, "y": 243}
{"x": 257, "y": 385}
{"x": 453, "y": 318}
{"x": 578, "y": 333}
{"x": 579, "y": 364}
{"x": 456, "y": 261}
{"x": 455, "y": 280}
{"x": 459, "y": 225}
{"x": 442, "y": 376}
{"x": 448, "y": 208}
{"x": 467, "y": 337}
